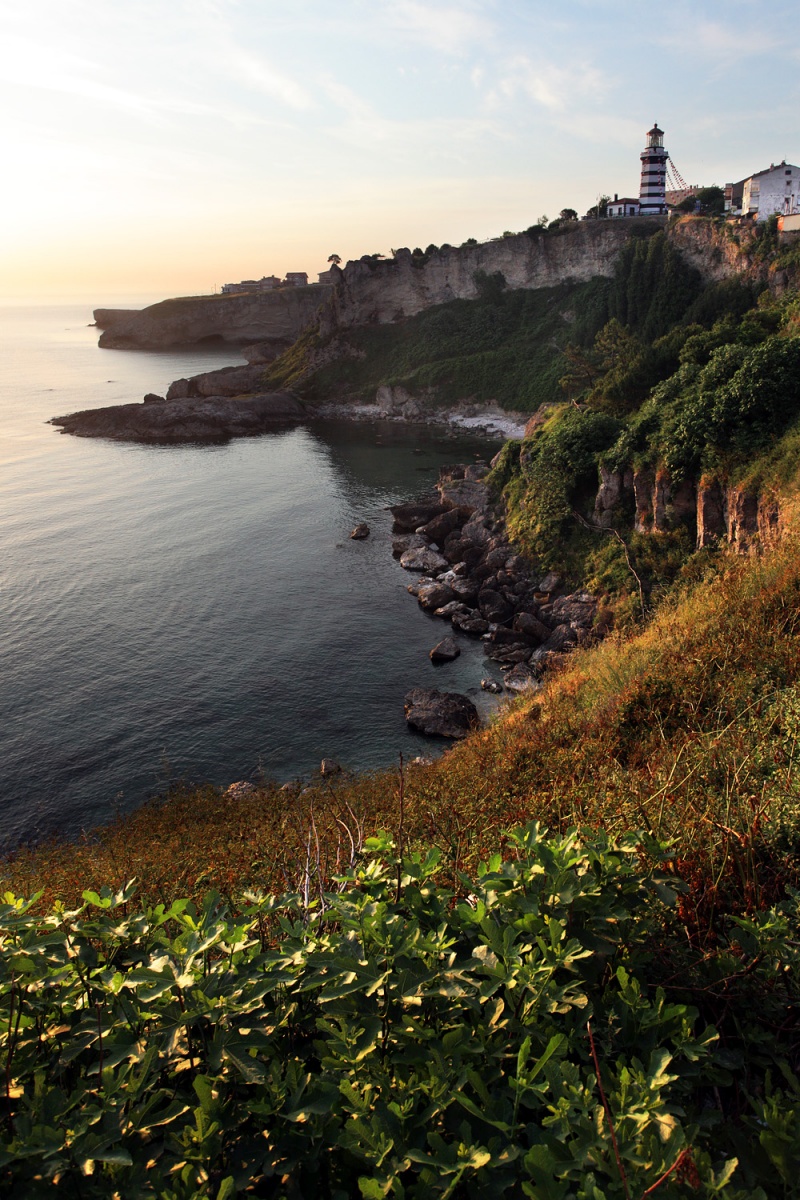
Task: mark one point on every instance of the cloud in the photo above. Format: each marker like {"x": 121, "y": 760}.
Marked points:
{"x": 553, "y": 87}
{"x": 448, "y": 28}
{"x": 248, "y": 69}
{"x": 26, "y": 63}
{"x": 725, "y": 44}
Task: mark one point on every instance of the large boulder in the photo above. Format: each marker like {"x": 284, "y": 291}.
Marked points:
{"x": 409, "y": 517}
{"x": 440, "y": 714}
{"x": 445, "y": 650}
{"x": 521, "y": 679}
{"x": 424, "y": 559}
{"x": 408, "y": 541}
{"x": 494, "y": 607}
{"x": 531, "y": 626}
{"x": 434, "y": 595}
{"x": 438, "y": 529}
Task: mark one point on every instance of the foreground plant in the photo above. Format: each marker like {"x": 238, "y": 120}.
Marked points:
{"x": 390, "y": 1038}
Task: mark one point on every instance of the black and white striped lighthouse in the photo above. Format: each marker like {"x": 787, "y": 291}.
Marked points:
{"x": 652, "y": 191}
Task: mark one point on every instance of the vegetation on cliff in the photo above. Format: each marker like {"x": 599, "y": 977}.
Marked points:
{"x": 711, "y": 396}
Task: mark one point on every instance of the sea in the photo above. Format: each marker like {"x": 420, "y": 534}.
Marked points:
{"x": 196, "y": 613}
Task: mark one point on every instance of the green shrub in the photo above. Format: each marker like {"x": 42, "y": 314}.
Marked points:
{"x": 390, "y": 1038}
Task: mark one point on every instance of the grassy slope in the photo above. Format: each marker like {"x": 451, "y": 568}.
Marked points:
{"x": 506, "y": 349}
{"x": 688, "y": 728}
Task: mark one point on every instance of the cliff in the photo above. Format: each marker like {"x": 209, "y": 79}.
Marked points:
{"x": 373, "y": 291}
{"x": 275, "y": 318}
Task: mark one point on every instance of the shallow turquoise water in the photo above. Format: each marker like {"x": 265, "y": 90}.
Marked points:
{"x": 194, "y": 611}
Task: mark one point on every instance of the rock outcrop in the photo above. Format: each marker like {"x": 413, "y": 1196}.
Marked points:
{"x": 273, "y": 320}
{"x": 712, "y": 512}
{"x": 370, "y": 290}
{"x": 483, "y": 586}
{"x": 440, "y": 714}
{"x": 205, "y": 419}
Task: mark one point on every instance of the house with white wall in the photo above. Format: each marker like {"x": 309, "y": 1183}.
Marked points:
{"x": 625, "y": 206}
{"x": 775, "y": 190}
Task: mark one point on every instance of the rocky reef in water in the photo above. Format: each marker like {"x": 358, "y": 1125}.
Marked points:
{"x": 189, "y": 419}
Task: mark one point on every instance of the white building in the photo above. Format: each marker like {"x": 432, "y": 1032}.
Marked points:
{"x": 625, "y": 206}
{"x": 776, "y": 190}
{"x": 652, "y": 191}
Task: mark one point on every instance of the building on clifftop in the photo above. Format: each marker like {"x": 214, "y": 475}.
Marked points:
{"x": 776, "y": 190}
{"x": 653, "y": 188}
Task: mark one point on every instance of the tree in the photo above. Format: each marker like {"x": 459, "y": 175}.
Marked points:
{"x": 711, "y": 200}
{"x": 335, "y": 259}
{"x": 600, "y": 209}
{"x": 568, "y": 214}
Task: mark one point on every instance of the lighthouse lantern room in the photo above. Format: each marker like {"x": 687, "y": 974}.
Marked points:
{"x": 652, "y": 192}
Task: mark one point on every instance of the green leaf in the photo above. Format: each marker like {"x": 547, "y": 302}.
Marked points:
{"x": 227, "y": 1189}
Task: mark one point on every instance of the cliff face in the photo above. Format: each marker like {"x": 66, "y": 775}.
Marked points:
{"x": 275, "y": 318}
{"x": 746, "y": 519}
{"x": 370, "y": 291}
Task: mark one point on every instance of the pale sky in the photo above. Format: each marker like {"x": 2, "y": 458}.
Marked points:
{"x": 170, "y": 146}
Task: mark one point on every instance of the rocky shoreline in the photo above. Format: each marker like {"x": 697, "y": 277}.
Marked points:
{"x": 230, "y": 402}
{"x": 473, "y": 577}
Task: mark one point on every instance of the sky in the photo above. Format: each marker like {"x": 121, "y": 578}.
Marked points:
{"x": 165, "y": 147}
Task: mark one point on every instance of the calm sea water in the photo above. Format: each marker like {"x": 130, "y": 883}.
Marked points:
{"x": 194, "y": 612}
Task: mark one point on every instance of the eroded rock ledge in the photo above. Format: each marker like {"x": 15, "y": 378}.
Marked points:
{"x": 188, "y": 419}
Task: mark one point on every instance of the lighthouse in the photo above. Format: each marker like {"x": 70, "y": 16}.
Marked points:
{"x": 652, "y": 191}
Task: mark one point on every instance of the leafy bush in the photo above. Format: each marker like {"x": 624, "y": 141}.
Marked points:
{"x": 558, "y": 466}
{"x": 390, "y": 1038}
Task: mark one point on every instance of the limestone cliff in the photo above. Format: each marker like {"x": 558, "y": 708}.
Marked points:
{"x": 271, "y": 318}
{"x": 746, "y": 518}
{"x": 370, "y": 291}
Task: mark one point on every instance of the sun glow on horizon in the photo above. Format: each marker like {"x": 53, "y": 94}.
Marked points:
{"x": 172, "y": 148}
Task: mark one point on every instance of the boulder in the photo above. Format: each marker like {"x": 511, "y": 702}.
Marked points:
{"x": 438, "y": 529}
{"x": 491, "y": 685}
{"x": 445, "y": 650}
{"x": 360, "y": 532}
{"x": 531, "y": 626}
{"x": 440, "y": 714}
{"x": 476, "y": 471}
{"x": 550, "y": 583}
{"x": 407, "y": 541}
{"x": 521, "y": 679}
{"x": 470, "y": 622}
{"x": 328, "y": 767}
{"x": 423, "y": 559}
{"x": 152, "y": 398}
{"x": 504, "y": 653}
{"x": 465, "y": 589}
{"x": 240, "y": 790}
{"x": 494, "y": 607}
{"x": 434, "y": 595}
{"x": 464, "y": 493}
{"x": 451, "y": 608}
{"x": 562, "y": 637}
{"x": 409, "y": 517}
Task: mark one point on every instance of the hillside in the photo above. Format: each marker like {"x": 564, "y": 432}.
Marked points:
{"x": 562, "y": 960}
{"x": 503, "y": 339}
{"x": 357, "y": 1024}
